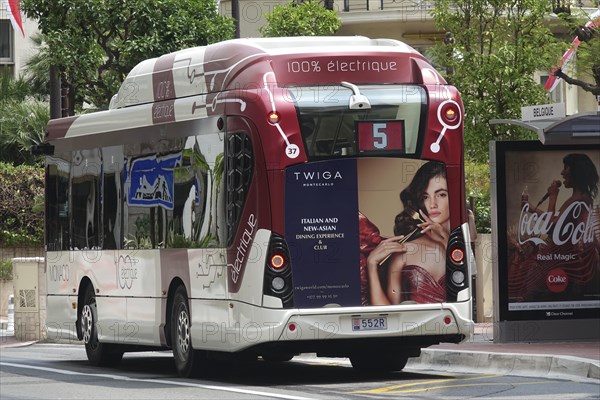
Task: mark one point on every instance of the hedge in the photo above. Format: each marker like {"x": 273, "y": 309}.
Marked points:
{"x": 21, "y": 205}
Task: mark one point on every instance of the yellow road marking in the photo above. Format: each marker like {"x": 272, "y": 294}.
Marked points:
{"x": 405, "y": 385}
{"x": 469, "y": 384}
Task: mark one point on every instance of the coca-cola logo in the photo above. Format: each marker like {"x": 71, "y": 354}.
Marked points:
{"x": 557, "y": 280}
{"x": 569, "y": 226}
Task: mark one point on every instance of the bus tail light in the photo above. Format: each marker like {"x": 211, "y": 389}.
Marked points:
{"x": 457, "y": 255}
{"x": 457, "y": 270}
{"x": 278, "y": 272}
{"x": 273, "y": 117}
{"x": 277, "y": 261}
{"x": 449, "y": 114}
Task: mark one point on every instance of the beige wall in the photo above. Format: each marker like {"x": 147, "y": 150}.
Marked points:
{"x": 484, "y": 292}
{"x": 251, "y": 14}
{"x": 6, "y": 289}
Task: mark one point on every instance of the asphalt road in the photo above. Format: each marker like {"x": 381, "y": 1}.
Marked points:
{"x": 53, "y": 371}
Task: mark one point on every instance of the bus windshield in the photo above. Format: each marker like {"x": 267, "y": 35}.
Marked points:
{"x": 331, "y": 129}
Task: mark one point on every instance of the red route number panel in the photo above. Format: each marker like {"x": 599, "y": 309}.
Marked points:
{"x": 380, "y": 135}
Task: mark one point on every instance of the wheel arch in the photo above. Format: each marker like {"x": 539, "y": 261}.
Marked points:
{"x": 83, "y": 285}
{"x": 175, "y": 283}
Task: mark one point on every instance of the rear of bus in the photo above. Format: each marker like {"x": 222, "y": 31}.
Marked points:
{"x": 368, "y": 123}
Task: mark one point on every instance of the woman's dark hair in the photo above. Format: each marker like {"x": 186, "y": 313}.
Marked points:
{"x": 582, "y": 173}
{"x": 412, "y": 197}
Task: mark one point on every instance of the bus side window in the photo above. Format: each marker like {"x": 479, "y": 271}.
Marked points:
{"x": 189, "y": 199}
{"x": 85, "y": 196}
{"x": 112, "y": 197}
{"x": 57, "y": 204}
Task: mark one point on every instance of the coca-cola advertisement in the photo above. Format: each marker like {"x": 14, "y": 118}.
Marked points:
{"x": 548, "y": 208}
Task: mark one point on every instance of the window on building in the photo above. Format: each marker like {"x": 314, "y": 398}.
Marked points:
{"x": 556, "y": 94}
{"x": 6, "y": 40}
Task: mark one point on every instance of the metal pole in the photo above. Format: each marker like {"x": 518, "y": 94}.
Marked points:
{"x": 235, "y": 14}
{"x": 55, "y": 101}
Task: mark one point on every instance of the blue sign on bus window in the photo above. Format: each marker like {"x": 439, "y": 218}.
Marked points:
{"x": 150, "y": 181}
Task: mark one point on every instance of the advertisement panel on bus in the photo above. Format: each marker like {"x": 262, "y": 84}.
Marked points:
{"x": 365, "y": 231}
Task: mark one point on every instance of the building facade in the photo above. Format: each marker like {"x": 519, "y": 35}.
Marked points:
{"x": 406, "y": 20}
{"x": 15, "y": 48}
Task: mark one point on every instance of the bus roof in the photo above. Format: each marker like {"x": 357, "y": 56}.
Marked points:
{"x": 189, "y": 69}
{"x": 181, "y": 86}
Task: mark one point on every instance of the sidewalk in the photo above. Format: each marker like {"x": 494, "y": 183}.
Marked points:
{"x": 560, "y": 360}
{"x": 563, "y": 360}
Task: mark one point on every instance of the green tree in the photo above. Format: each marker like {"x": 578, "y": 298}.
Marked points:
{"x": 477, "y": 183}
{"x": 303, "y": 18}
{"x": 496, "y": 48}
{"x": 95, "y": 43}
{"x": 21, "y": 205}
{"x": 586, "y": 73}
{"x": 37, "y": 67}
{"x": 23, "y": 119}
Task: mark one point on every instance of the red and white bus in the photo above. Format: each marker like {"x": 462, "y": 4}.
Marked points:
{"x": 247, "y": 198}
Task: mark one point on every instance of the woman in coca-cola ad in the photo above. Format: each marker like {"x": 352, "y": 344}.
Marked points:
{"x": 557, "y": 257}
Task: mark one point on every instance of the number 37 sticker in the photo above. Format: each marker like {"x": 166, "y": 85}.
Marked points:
{"x": 292, "y": 151}
{"x": 380, "y": 135}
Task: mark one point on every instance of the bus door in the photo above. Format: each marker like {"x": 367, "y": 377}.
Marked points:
{"x": 246, "y": 211}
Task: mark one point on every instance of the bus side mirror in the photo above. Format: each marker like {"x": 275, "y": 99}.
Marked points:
{"x": 43, "y": 149}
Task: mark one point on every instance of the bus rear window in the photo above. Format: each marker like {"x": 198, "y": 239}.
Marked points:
{"x": 330, "y": 128}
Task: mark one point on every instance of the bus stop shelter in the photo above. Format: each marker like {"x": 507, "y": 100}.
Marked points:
{"x": 535, "y": 297}
{"x": 581, "y": 128}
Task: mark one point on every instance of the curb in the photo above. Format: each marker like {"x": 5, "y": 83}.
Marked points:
{"x": 540, "y": 365}
{"x": 15, "y": 344}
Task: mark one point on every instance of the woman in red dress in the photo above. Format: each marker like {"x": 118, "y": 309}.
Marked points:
{"x": 413, "y": 261}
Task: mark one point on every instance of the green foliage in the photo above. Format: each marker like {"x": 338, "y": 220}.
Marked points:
{"x": 95, "y": 43}
{"x": 6, "y": 270}
{"x": 306, "y": 18}
{"x": 498, "y": 46}
{"x": 23, "y": 119}
{"x": 477, "y": 184}
{"x": 585, "y": 72}
{"x": 21, "y": 205}
{"x": 12, "y": 89}
{"x": 37, "y": 67}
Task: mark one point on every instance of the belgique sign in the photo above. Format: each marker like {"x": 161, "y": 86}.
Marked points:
{"x": 543, "y": 111}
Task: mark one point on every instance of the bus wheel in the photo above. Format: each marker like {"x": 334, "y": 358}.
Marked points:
{"x": 99, "y": 354}
{"x": 378, "y": 362}
{"x": 186, "y": 359}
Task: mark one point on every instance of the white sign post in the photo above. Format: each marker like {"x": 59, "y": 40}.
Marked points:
{"x": 543, "y": 111}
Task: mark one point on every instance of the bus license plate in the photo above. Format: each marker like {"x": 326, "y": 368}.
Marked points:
{"x": 369, "y": 324}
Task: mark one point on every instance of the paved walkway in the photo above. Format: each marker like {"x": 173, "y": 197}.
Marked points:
{"x": 561, "y": 360}
{"x": 566, "y": 360}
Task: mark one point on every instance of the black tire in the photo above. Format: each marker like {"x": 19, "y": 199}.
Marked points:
{"x": 377, "y": 362}
{"x": 187, "y": 360}
{"x": 99, "y": 354}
